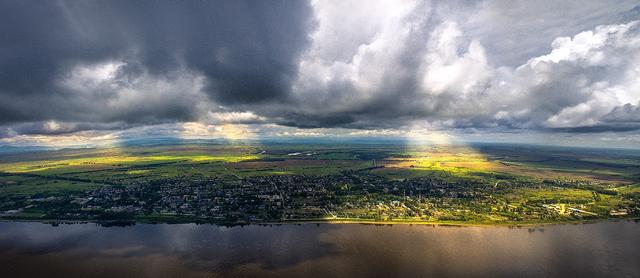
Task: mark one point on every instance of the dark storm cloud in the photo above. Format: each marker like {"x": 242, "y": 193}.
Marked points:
{"x": 68, "y": 66}
{"x": 302, "y": 120}
{"x": 625, "y": 113}
{"x": 58, "y": 128}
{"x": 245, "y": 51}
{"x": 621, "y": 118}
{"x": 626, "y": 116}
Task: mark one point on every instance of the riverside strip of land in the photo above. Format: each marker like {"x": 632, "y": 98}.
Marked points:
{"x": 227, "y": 183}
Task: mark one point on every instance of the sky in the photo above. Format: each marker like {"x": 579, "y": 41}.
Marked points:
{"x": 549, "y": 72}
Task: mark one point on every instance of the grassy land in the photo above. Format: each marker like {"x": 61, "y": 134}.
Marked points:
{"x": 473, "y": 184}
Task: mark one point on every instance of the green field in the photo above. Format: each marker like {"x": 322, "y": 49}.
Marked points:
{"x": 327, "y": 182}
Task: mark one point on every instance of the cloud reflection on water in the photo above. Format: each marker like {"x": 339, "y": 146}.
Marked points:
{"x": 311, "y": 250}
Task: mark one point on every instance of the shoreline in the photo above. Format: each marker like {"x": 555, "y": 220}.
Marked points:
{"x": 110, "y": 223}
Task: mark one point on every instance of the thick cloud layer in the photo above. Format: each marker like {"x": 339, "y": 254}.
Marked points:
{"x": 420, "y": 66}
{"x": 145, "y": 62}
{"x": 68, "y": 66}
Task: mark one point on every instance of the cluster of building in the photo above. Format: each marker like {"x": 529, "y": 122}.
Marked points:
{"x": 274, "y": 197}
{"x": 350, "y": 195}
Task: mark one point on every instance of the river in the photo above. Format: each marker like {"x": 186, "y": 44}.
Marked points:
{"x": 604, "y": 249}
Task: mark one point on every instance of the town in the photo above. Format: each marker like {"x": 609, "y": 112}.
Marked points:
{"x": 349, "y": 196}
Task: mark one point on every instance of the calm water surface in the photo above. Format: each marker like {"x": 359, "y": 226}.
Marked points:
{"x": 607, "y": 249}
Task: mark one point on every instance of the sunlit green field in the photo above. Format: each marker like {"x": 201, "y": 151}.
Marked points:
{"x": 514, "y": 180}
{"x": 391, "y": 161}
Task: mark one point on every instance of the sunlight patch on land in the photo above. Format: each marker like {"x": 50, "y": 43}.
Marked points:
{"x": 436, "y": 160}
{"x": 96, "y": 163}
{"x": 439, "y": 151}
{"x": 137, "y": 172}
